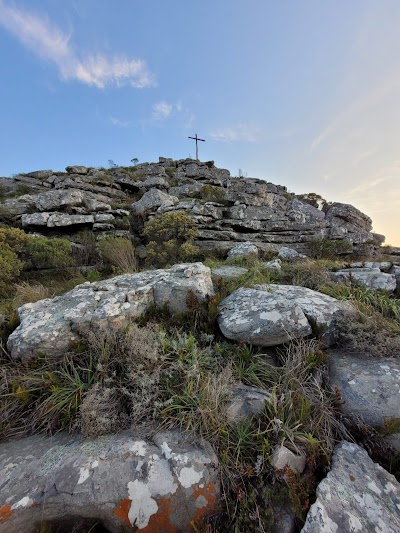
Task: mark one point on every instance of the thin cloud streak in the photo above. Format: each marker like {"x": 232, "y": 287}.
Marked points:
{"x": 241, "y": 132}
{"x": 52, "y": 44}
{"x": 120, "y": 123}
{"x": 162, "y": 110}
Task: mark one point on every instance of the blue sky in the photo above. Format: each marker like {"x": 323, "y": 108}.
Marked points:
{"x": 302, "y": 93}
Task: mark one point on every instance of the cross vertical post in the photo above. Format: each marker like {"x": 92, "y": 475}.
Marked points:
{"x": 197, "y": 148}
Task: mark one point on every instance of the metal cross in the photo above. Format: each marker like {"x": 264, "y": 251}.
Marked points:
{"x": 197, "y": 148}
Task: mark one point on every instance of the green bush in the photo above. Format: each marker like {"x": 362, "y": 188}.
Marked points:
{"x": 211, "y": 193}
{"x": 50, "y": 253}
{"x": 12, "y": 243}
{"x": 170, "y": 238}
{"x": 328, "y": 248}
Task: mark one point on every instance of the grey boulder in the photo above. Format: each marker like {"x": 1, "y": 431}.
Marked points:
{"x": 244, "y": 249}
{"x": 151, "y": 200}
{"x": 228, "y": 272}
{"x": 49, "y": 326}
{"x": 371, "y": 277}
{"x": 268, "y": 315}
{"x": 41, "y": 174}
{"x": 289, "y": 254}
{"x": 357, "y": 495}
{"x": 77, "y": 169}
{"x": 120, "y": 481}
{"x": 370, "y": 388}
{"x": 57, "y": 199}
{"x": 246, "y": 402}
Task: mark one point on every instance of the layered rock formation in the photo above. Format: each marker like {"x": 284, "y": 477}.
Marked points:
{"x": 227, "y": 210}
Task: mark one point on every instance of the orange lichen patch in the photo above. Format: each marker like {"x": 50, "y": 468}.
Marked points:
{"x": 5, "y": 513}
{"x": 210, "y": 494}
{"x": 161, "y": 520}
{"x": 122, "y": 511}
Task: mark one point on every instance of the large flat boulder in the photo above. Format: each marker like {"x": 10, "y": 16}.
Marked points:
{"x": 370, "y": 277}
{"x": 49, "y": 326}
{"x": 119, "y": 481}
{"x": 369, "y": 387}
{"x": 151, "y": 200}
{"x": 58, "y": 199}
{"x": 268, "y": 315}
{"x": 244, "y": 249}
{"x": 261, "y": 318}
{"x": 357, "y": 496}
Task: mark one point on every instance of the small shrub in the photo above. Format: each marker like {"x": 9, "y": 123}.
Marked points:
{"x": 171, "y": 238}
{"x": 101, "y": 412}
{"x": 86, "y": 254}
{"x": 311, "y": 274}
{"x": 328, "y": 248}
{"x": 23, "y": 189}
{"x": 12, "y": 243}
{"x": 6, "y": 216}
{"x": 119, "y": 253}
{"x": 50, "y": 253}
{"x": 211, "y": 193}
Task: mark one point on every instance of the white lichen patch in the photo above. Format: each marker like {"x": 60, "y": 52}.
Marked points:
{"x": 24, "y": 502}
{"x": 166, "y": 450}
{"x": 160, "y": 479}
{"x": 143, "y": 506}
{"x": 374, "y": 487}
{"x": 139, "y": 448}
{"x": 188, "y": 477}
{"x": 273, "y": 316}
{"x": 84, "y": 474}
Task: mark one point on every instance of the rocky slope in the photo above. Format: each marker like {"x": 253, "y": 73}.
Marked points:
{"x": 226, "y": 209}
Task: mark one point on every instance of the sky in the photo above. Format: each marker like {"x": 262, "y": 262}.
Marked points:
{"x": 304, "y": 94}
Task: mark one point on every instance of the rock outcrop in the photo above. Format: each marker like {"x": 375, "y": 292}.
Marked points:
{"x": 119, "y": 481}
{"x": 370, "y": 277}
{"x": 268, "y": 315}
{"x": 50, "y": 326}
{"x": 369, "y": 387}
{"x": 227, "y": 210}
{"x": 357, "y": 495}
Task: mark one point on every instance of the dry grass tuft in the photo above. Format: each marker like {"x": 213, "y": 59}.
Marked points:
{"x": 119, "y": 253}
{"x": 26, "y": 293}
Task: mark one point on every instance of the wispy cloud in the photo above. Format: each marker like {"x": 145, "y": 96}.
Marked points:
{"x": 52, "y": 44}
{"x": 162, "y": 110}
{"x": 120, "y": 123}
{"x": 241, "y": 132}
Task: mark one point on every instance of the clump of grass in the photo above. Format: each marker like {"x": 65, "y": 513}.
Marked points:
{"x": 26, "y": 292}
{"x": 120, "y": 253}
{"x": 365, "y": 299}
{"x": 311, "y": 274}
{"x": 367, "y": 333}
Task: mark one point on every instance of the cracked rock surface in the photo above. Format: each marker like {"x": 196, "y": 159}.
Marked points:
{"x": 49, "y": 326}
{"x": 369, "y": 387}
{"x": 118, "y": 480}
{"x": 357, "y": 496}
{"x": 268, "y": 315}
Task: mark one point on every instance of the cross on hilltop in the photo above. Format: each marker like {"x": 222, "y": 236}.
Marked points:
{"x": 197, "y": 148}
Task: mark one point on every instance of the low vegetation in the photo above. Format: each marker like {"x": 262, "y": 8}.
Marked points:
{"x": 119, "y": 253}
{"x": 170, "y": 237}
{"x": 177, "y": 371}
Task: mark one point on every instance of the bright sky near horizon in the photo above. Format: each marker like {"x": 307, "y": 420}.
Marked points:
{"x": 302, "y": 93}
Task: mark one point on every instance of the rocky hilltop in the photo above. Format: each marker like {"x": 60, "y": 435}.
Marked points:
{"x": 227, "y": 210}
